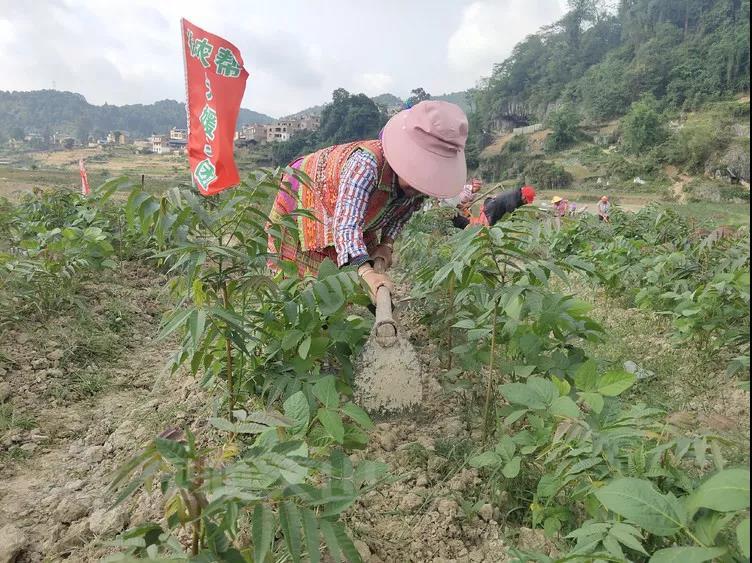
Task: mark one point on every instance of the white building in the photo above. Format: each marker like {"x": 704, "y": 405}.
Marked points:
{"x": 278, "y": 132}
{"x": 178, "y": 134}
{"x": 160, "y": 144}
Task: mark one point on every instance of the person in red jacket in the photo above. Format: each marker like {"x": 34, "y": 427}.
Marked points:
{"x": 494, "y": 208}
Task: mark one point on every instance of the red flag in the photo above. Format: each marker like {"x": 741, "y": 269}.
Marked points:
{"x": 84, "y": 180}
{"x": 215, "y": 83}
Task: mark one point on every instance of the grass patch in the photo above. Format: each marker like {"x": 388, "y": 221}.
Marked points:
{"x": 455, "y": 450}
{"x": 682, "y": 372}
{"x": 11, "y": 418}
{"x": 89, "y": 384}
{"x": 716, "y": 213}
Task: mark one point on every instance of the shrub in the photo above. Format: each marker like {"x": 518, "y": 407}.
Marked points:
{"x": 547, "y": 175}
{"x": 643, "y": 127}
{"x": 564, "y": 129}
{"x": 693, "y": 145}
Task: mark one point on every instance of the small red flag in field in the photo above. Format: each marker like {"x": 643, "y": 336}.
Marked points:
{"x": 84, "y": 179}
{"x": 215, "y": 83}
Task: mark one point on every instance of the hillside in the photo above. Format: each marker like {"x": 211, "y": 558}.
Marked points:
{"x": 599, "y": 60}
{"x": 49, "y": 111}
{"x": 629, "y": 100}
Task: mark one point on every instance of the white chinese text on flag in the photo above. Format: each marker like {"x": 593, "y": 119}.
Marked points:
{"x": 215, "y": 83}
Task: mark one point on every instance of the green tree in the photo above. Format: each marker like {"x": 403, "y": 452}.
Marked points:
{"x": 349, "y": 118}
{"x": 564, "y": 124}
{"x": 417, "y": 95}
{"x": 643, "y": 127}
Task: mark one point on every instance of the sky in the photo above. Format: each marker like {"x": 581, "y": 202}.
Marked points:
{"x": 296, "y": 51}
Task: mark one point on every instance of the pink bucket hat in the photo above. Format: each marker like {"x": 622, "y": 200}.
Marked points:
{"x": 425, "y": 146}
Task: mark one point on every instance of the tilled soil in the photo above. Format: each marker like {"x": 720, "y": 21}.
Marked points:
{"x": 55, "y": 468}
{"x": 55, "y": 498}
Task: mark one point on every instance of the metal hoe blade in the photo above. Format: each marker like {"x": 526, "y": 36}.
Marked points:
{"x": 388, "y": 371}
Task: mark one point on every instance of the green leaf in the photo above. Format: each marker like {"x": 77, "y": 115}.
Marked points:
{"x": 289, "y": 520}
{"x": 174, "y": 322}
{"x": 304, "y": 347}
{"x": 311, "y": 529}
{"x": 586, "y": 376}
{"x": 709, "y": 525}
{"x": 485, "y": 459}
{"x": 291, "y": 339}
{"x": 296, "y": 408}
{"x": 726, "y": 491}
{"x": 545, "y": 389}
{"x": 171, "y": 450}
{"x": 512, "y": 469}
{"x": 506, "y": 447}
{"x": 238, "y": 427}
{"x": 345, "y": 543}
{"x": 594, "y": 400}
{"x": 521, "y": 394}
{"x": 638, "y": 501}
{"x": 612, "y": 546}
{"x": 686, "y": 554}
{"x": 565, "y": 407}
{"x": 537, "y": 393}
{"x": 330, "y": 539}
{"x": 332, "y": 423}
{"x": 628, "y": 536}
{"x": 291, "y": 311}
{"x": 325, "y": 390}
{"x": 742, "y": 537}
{"x": 368, "y": 471}
{"x": 562, "y": 385}
{"x": 614, "y": 383}
{"x": 358, "y": 415}
{"x": 547, "y": 486}
{"x": 197, "y": 324}
{"x": 263, "y": 531}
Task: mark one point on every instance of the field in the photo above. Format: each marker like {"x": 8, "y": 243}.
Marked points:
{"x": 585, "y": 388}
{"x": 21, "y": 172}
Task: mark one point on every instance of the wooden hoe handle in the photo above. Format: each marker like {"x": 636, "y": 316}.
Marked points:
{"x": 385, "y": 327}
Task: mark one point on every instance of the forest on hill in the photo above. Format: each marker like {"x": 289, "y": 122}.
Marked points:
{"x": 50, "y": 111}
{"x": 600, "y": 60}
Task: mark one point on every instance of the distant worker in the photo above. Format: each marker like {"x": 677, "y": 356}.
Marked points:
{"x": 561, "y": 206}
{"x": 604, "y": 210}
{"x": 463, "y": 200}
{"x": 363, "y": 193}
{"x": 494, "y": 208}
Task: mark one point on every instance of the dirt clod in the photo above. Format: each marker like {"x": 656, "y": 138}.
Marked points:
{"x": 12, "y": 541}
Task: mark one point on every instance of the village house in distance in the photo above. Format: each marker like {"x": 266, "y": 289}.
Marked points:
{"x": 277, "y": 132}
{"x": 173, "y": 142}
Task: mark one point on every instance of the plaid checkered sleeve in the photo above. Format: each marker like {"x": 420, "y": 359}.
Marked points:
{"x": 357, "y": 182}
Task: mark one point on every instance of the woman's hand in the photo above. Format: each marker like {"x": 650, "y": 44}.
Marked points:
{"x": 384, "y": 251}
{"x": 374, "y": 280}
